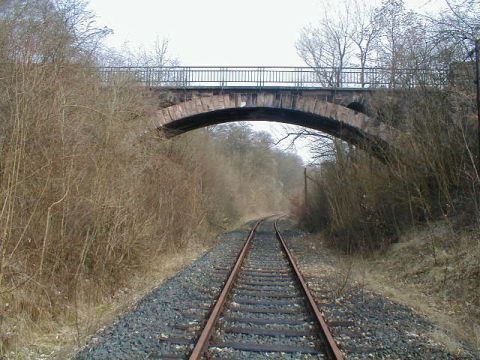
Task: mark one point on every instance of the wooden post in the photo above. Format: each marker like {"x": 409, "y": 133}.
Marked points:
{"x": 306, "y": 190}
{"x": 477, "y": 71}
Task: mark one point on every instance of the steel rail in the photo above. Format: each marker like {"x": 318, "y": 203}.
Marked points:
{"x": 207, "y": 331}
{"x": 332, "y": 347}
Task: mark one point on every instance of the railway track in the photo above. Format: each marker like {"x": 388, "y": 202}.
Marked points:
{"x": 265, "y": 309}
{"x": 263, "y": 312}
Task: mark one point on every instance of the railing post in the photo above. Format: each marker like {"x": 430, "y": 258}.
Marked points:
{"x": 259, "y": 76}
{"x": 337, "y": 72}
{"x": 298, "y": 77}
{"x": 222, "y": 77}
{"x": 147, "y": 75}
{"x": 186, "y": 76}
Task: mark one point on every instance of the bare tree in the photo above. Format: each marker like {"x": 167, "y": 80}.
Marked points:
{"x": 321, "y": 145}
{"x": 154, "y": 60}
{"x": 80, "y": 22}
{"x": 157, "y": 56}
{"x": 45, "y": 31}
{"x": 343, "y": 38}
{"x": 455, "y": 31}
{"x": 460, "y": 23}
{"x": 402, "y": 43}
{"x": 327, "y": 46}
{"x": 364, "y": 34}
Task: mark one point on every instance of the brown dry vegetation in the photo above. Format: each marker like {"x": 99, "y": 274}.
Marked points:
{"x": 367, "y": 203}
{"x": 440, "y": 279}
{"x": 364, "y": 206}
{"x": 90, "y": 196}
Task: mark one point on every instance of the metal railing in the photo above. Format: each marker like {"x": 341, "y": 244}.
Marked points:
{"x": 258, "y": 77}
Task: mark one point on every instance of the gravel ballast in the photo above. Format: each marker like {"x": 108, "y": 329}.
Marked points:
{"x": 266, "y": 309}
{"x": 166, "y": 322}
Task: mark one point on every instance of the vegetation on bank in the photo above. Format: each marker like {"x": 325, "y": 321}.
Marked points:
{"x": 434, "y": 172}
{"x": 90, "y": 194}
{"x": 362, "y": 205}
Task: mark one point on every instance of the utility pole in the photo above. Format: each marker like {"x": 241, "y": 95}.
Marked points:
{"x": 477, "y": 82}
{"x": 305, "y": 182}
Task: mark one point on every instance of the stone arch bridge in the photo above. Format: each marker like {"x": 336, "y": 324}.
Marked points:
{"x": 309, "y": 111}
{"x": 322, "y": 99}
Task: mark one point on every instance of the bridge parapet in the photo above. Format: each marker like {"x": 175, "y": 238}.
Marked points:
{"x": 265, "y": 76}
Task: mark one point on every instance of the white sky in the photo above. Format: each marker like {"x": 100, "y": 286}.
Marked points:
{"x": 220, "y": 32}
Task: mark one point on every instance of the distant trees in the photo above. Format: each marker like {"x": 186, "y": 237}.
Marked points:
{"x": 254, "y": 154}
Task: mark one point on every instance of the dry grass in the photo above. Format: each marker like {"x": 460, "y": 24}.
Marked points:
{"x": 415, "y": 218}
{"x": 57, "y": 339}
{"x": 364, "y": 204}
{"x": 442, "y": 285}
{"x": 388, "y": 274}
{"x": 84, "y": 197}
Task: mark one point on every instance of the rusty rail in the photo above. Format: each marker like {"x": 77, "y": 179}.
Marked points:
{"x": 204, "y": 338}
{"x": 332, "y": 347}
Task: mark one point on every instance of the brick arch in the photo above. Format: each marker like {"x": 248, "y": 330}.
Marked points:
{"x": 308, "y": 111}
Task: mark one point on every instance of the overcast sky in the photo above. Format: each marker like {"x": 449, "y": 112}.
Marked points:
{"x": 221, "y": 32}
{"x": 218, "y": 32}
